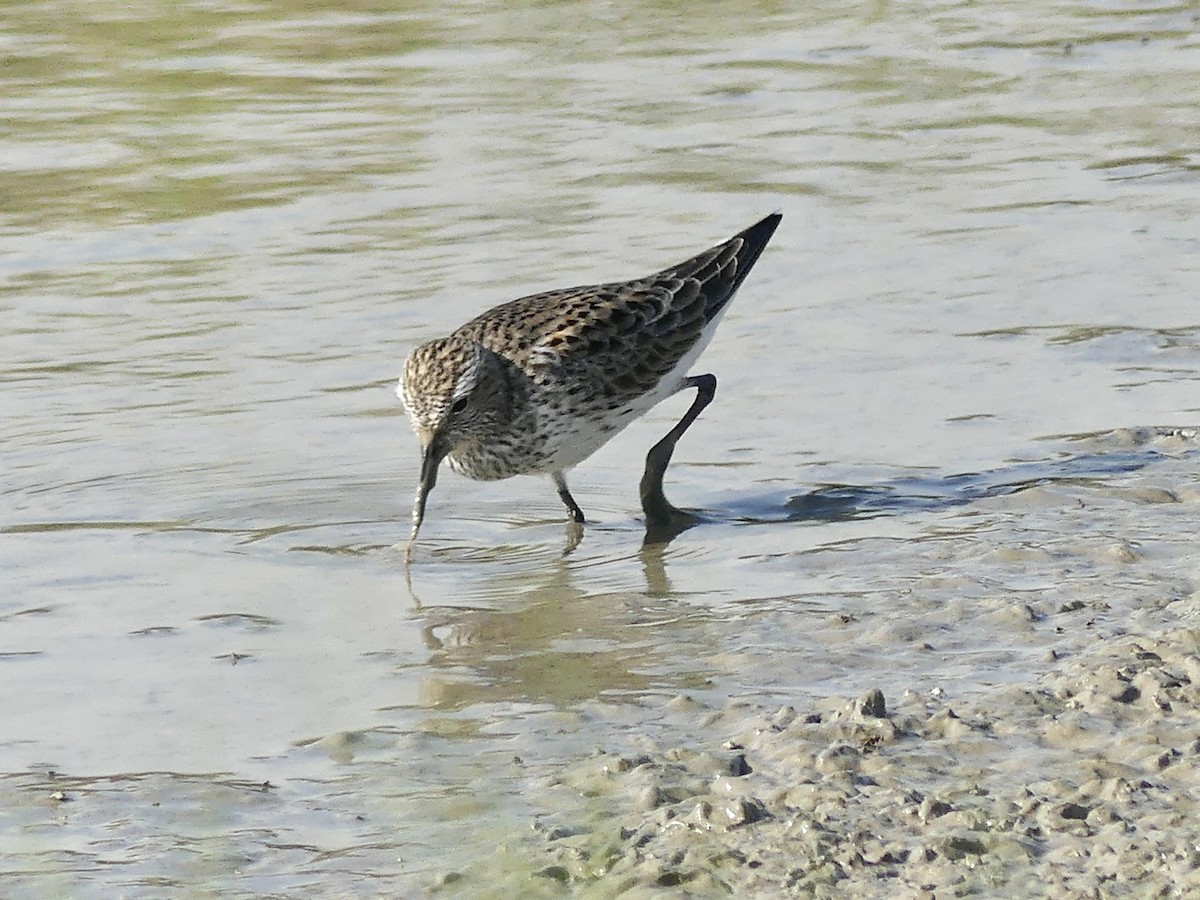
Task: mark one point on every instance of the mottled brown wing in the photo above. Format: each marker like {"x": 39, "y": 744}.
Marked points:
{"x": 613, "y": 340}
{"x": 622, "y": 337}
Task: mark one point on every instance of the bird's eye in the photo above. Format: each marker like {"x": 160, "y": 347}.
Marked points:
{"x": 458, "y": 405}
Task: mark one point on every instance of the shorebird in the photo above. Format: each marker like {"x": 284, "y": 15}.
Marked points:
{"x": 537, "y": 385}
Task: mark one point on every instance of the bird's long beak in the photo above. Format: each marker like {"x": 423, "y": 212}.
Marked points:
{"x": 431, "y": 457}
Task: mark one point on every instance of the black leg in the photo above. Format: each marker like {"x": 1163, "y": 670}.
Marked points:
{"x": 659, "y": 511}
{"x": 560, "y": 482}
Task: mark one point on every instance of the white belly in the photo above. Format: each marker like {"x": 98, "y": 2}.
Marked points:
{"x": 569, "y": 447}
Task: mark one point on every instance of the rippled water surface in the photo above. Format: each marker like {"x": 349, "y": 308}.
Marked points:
{"x": 222, "y": 227}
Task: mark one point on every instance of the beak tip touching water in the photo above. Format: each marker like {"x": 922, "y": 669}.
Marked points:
{"x": 431, "y": 458}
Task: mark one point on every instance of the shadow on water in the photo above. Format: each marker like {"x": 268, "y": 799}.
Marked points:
{"x": 925, "y": 492}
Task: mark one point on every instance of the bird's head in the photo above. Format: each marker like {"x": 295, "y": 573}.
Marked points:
{"x": 456, "y": 393}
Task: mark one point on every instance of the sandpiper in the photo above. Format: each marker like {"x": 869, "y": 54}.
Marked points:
{"x": 537, "y": 385}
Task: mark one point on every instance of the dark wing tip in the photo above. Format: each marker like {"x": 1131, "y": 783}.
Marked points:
{"x": 722, "y": 269}
{"x": 754, "y": 241}
{"x": 760, "y": 232}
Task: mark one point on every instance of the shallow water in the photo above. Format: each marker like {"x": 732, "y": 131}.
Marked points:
{"x": 222, "y": 228}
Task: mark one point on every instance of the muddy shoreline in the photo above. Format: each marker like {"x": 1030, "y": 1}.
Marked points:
{"x": 1083, "y": 783}
{"x": 1073, "y": 773}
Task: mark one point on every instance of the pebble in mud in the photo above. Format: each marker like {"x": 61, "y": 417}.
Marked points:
{"x": 872, "y": 704}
